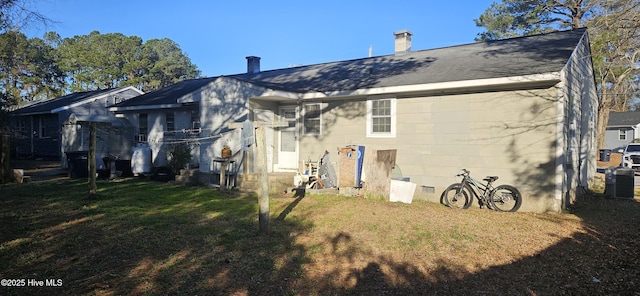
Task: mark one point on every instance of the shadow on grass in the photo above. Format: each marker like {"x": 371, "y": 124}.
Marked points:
{"x": 150, "y": 238}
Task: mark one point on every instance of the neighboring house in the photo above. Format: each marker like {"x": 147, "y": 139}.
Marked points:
{"x": 52, "y": 127}
{"x": 523, "y": 109}
{"x": 159, "y": 120}
{"x": 622, "y": 129}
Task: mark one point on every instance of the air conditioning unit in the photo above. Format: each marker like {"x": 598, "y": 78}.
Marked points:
{"x": 619, "y": 182}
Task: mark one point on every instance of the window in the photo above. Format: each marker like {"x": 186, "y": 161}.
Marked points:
{"x": 142, "y": 128}
{"x": 312, "y": 119}
{"x": 381, "y": 118}
{"x": 21, "y": 127}
{"x": 170, "y": 121}
{"x": 622, "y": 135}
{"x": 195, "y": 121}
{"x": 42, "y": 127}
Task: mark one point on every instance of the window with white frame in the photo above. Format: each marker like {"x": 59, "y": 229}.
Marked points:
{"x": 381, "y": 118}
{"x": 622, "y": 134}
{"x": 312, "y": 114}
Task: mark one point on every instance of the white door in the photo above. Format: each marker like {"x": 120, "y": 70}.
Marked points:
{"x": 288, "y": 145}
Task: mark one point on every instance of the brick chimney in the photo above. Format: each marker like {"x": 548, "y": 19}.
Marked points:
{"x": 253, "y": 64}
{"x": 403, "y": 41}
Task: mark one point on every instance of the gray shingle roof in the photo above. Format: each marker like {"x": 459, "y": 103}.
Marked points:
{"x": 537, "y": 54}
{"x": 623, "y": 118}
{"x": 504, "y": 58}
{"x": 167, "y": 95}
{"x": 43, "y": 107}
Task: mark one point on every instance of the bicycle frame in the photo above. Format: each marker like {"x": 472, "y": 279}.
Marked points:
{"x": 475, "y": 186}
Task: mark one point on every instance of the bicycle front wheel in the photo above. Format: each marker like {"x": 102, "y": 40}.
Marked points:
{"x": 456, "y": 197}
{"x": 505, "y": 198}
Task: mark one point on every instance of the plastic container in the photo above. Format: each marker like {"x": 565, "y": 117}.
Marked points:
{"x": 78, "y": 163}
{"x": 141, "y": 162}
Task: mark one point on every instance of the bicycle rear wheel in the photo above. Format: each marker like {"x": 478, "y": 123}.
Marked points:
{"x": 505, "y": 198}
{"x": 456, "y": 197}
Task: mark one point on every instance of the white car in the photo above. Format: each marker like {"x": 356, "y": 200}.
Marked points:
{"x": 631, "y": 156}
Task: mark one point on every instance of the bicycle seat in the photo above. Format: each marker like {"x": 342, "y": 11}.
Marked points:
{"x": 490, "y": 178}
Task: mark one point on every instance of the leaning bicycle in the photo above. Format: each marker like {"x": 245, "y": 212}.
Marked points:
{"x": 503, "y": 198}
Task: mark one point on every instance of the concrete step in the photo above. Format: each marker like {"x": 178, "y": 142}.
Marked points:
{"x": 188, "y": 177}
{"x": 189, "y": 172}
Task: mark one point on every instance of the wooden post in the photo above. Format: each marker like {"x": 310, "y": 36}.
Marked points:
{"x": 91, "y": 160}
{"x": 261, "y": 167}
{"x": 263, "y": 190}
{"x": 6, "y": 168}
{"x": 223, "y": 173}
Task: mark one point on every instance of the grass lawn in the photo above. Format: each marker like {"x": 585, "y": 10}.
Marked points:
{"x": 145, "y": 238}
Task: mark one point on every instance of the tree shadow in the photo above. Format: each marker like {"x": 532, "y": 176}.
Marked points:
{"x": 172, "y": 240}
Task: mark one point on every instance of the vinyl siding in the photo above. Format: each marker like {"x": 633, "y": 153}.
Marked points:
{"x": 579, "y": 152}
{"x": 510, "y": 134}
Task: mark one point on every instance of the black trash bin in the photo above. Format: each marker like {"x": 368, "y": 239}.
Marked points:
{"x": 78, "y": 164}
{"x": 605, "y": 154}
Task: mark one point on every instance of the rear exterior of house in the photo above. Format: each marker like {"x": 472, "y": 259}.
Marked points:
{"x": 167, "y": 117}
{"x": 522, "y": 109}
{"x": 532, "y": 125}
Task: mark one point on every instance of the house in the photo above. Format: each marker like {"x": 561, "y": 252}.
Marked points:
{"x": 522, "y": 109}
{"x": 49, "y": 128}
{"x": 159, "y": 120}
{"x": 622, "y": 128}
{"x": 195, "y": 112}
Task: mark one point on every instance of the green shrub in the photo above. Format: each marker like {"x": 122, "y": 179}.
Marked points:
{"x": 179, "y": 156}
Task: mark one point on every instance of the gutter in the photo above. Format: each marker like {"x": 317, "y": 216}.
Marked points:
{"x": 146, "y": 107}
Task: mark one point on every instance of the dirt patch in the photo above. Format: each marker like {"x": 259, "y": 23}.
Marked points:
{"x": 614, "y": 161}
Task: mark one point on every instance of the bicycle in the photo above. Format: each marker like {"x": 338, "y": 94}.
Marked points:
{"x": 503, "y": 198}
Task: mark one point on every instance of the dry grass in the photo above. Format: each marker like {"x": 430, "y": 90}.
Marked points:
{"x": 614, "y": 160}
{"x": 151, "y": 239}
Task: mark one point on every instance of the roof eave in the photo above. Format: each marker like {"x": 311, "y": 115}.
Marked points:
{"x": 145, "y": 107}
{"x": 93, "y": 98}
{"x": 489, "y": 83}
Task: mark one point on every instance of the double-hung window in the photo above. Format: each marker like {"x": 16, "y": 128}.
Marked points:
{"x": 170, "y": 121}
{"x": 312, "y": 119}
{"x": 381, "y": 118}
{"x": 143, "y": 125}
{"x": 622, "y": 134}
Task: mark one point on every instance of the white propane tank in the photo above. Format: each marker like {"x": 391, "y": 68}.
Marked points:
{"x": 141, "y": 160}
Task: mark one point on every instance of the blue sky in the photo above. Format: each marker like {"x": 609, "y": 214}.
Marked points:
{"x": 218, "y": 35}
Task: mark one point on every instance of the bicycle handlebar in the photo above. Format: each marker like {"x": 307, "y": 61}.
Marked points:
{"x": 464, "y": 172}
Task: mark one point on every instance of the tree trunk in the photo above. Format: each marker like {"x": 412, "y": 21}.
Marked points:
{"x": 603, "y": 117}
